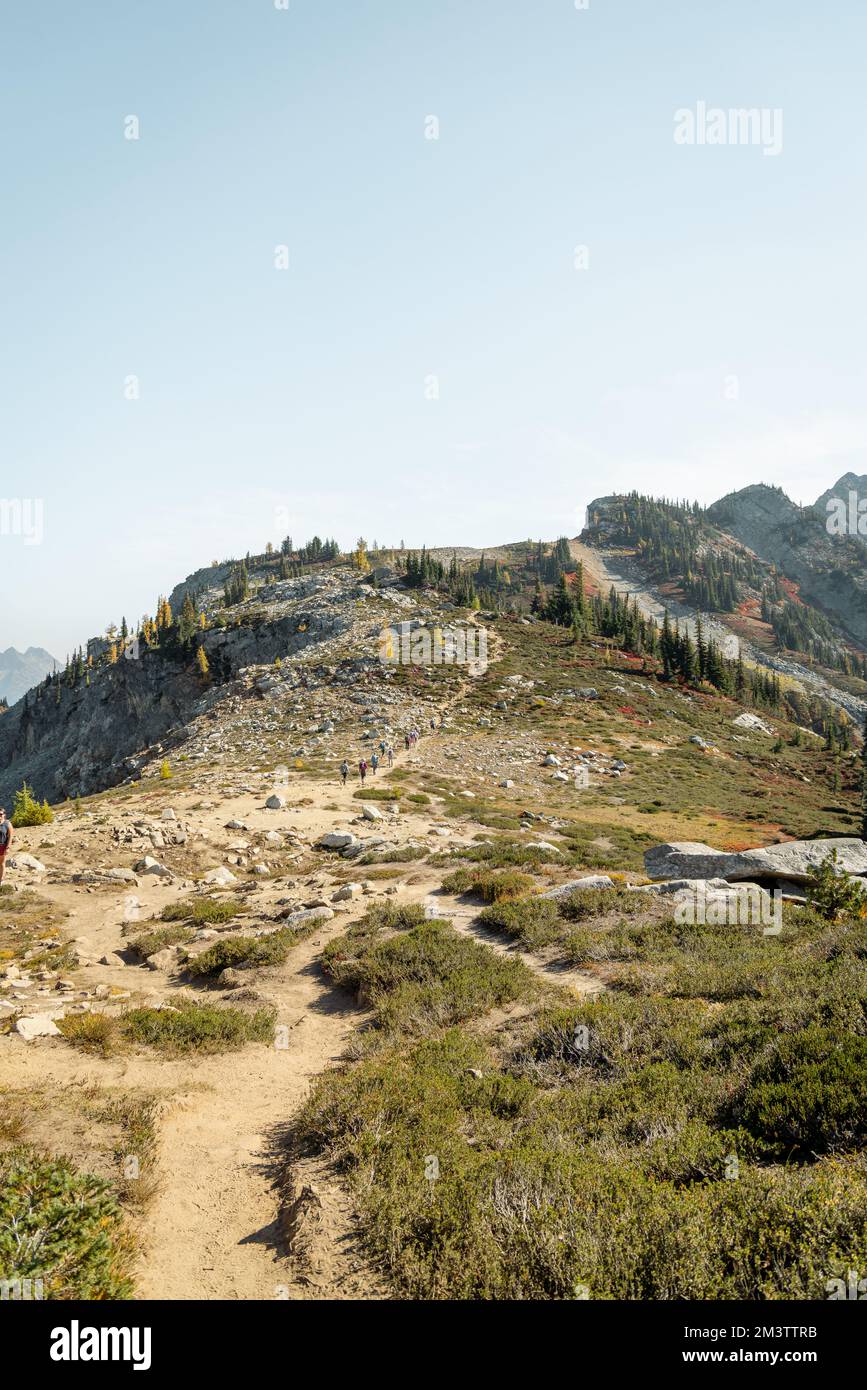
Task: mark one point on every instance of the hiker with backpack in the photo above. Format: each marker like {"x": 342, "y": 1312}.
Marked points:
{"x": 374, "y": 763}
{"x": 5, "y": 840}
{"x": 362, "y": 768}
{"x": 344, "y": 771}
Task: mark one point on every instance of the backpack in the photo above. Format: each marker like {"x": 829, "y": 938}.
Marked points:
{"x": 5, "y": 830}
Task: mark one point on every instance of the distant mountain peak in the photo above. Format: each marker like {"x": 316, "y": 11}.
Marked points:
{"x": 20, "y": 671}
{"x": 850, "y": 482}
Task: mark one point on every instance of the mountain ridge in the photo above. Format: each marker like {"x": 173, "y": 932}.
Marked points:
{"x": 20, "y": 671}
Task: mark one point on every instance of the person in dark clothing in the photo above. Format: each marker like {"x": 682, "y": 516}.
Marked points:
{"x": 5, "y": 840}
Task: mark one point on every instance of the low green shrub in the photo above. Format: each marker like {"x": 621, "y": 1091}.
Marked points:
{"x": 204, "y": 911}
{"x": 191, "y": 1027}
{"x": 428, "y": 978}
{"x": 808, "y": 1094}
{"x": 491, "y": 887}
{"x": 585, "y": 903}
{"x": 532, "y": 1210}
{"x": 152, "y": 941}
{"x": 242, "y": 950}
{"x": 63, "y": 1227}
{"x": 535, "y": 922}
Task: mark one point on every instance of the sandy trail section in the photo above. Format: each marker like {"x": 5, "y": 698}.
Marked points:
{"x": 213, "y": 1229}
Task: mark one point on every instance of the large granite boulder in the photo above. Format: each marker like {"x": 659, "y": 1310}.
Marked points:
{"x": 790, "y": 862}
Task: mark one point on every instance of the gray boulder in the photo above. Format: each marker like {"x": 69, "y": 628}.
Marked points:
{"x": 790, "y": 861}
{"x": 36, "y": 1026}
{"x": 221, "y": 877}
{"x": 577, "y": 884}
{"x": 152, "y": 867}
{"x": 335, "y": 839}
{"x": 26, "y": 861}
{"x": 678, "y": 885}
{"x": 307, "y": 916}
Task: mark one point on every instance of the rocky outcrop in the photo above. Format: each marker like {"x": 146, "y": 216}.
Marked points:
{"x": 849, "y": 483}
{"x": 83, "y": 742}
{"x": 829, "y": 569}
{"x": 95, "y": 735}
{"x": 774, "y": 866}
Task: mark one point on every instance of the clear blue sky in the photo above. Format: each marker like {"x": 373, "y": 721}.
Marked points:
{"x": 274, "y": 401}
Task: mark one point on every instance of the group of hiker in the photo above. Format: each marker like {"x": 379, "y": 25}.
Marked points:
{"x": 386, "y": 751}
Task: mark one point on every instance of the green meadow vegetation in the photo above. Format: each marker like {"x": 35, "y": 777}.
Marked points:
{"x": 187, "y": 1026}
{"x": 694, "y": 1132}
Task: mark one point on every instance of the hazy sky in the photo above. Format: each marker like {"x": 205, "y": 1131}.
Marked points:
{"x": 711, "y": 335}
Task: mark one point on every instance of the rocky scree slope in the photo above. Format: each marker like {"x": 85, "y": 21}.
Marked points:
{"x": 324, "y": 628}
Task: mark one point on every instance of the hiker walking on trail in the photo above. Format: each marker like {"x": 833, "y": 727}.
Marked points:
{"x": 406, "y": 741}
{"x": 374, "y": 763}
{"x": 433, "y": 722}
{"x": 390, "y": 756}
{"x": 382, "y": 748}
{"x": 344, "y": 771}
{"x": 5, "y": 839}
{"x": 362, "y": 769}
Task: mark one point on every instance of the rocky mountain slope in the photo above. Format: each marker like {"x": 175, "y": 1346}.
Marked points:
{"x": 276, "y": 956}
{"x": 828, "y": 569}
{"x": 763, "y": 577}
{"x": 92, "y": 732}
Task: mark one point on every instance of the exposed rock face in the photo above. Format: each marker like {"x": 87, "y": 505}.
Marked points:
{"x": 829, "y": 569}
{"x": 777, "y": 864}
{"x": 752, "y": 721}
{"x": 90, "y": 739}
{"x": 753, "y": 512}
{"x": 83, "y": 743}
{"x": 849, "y": 483}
